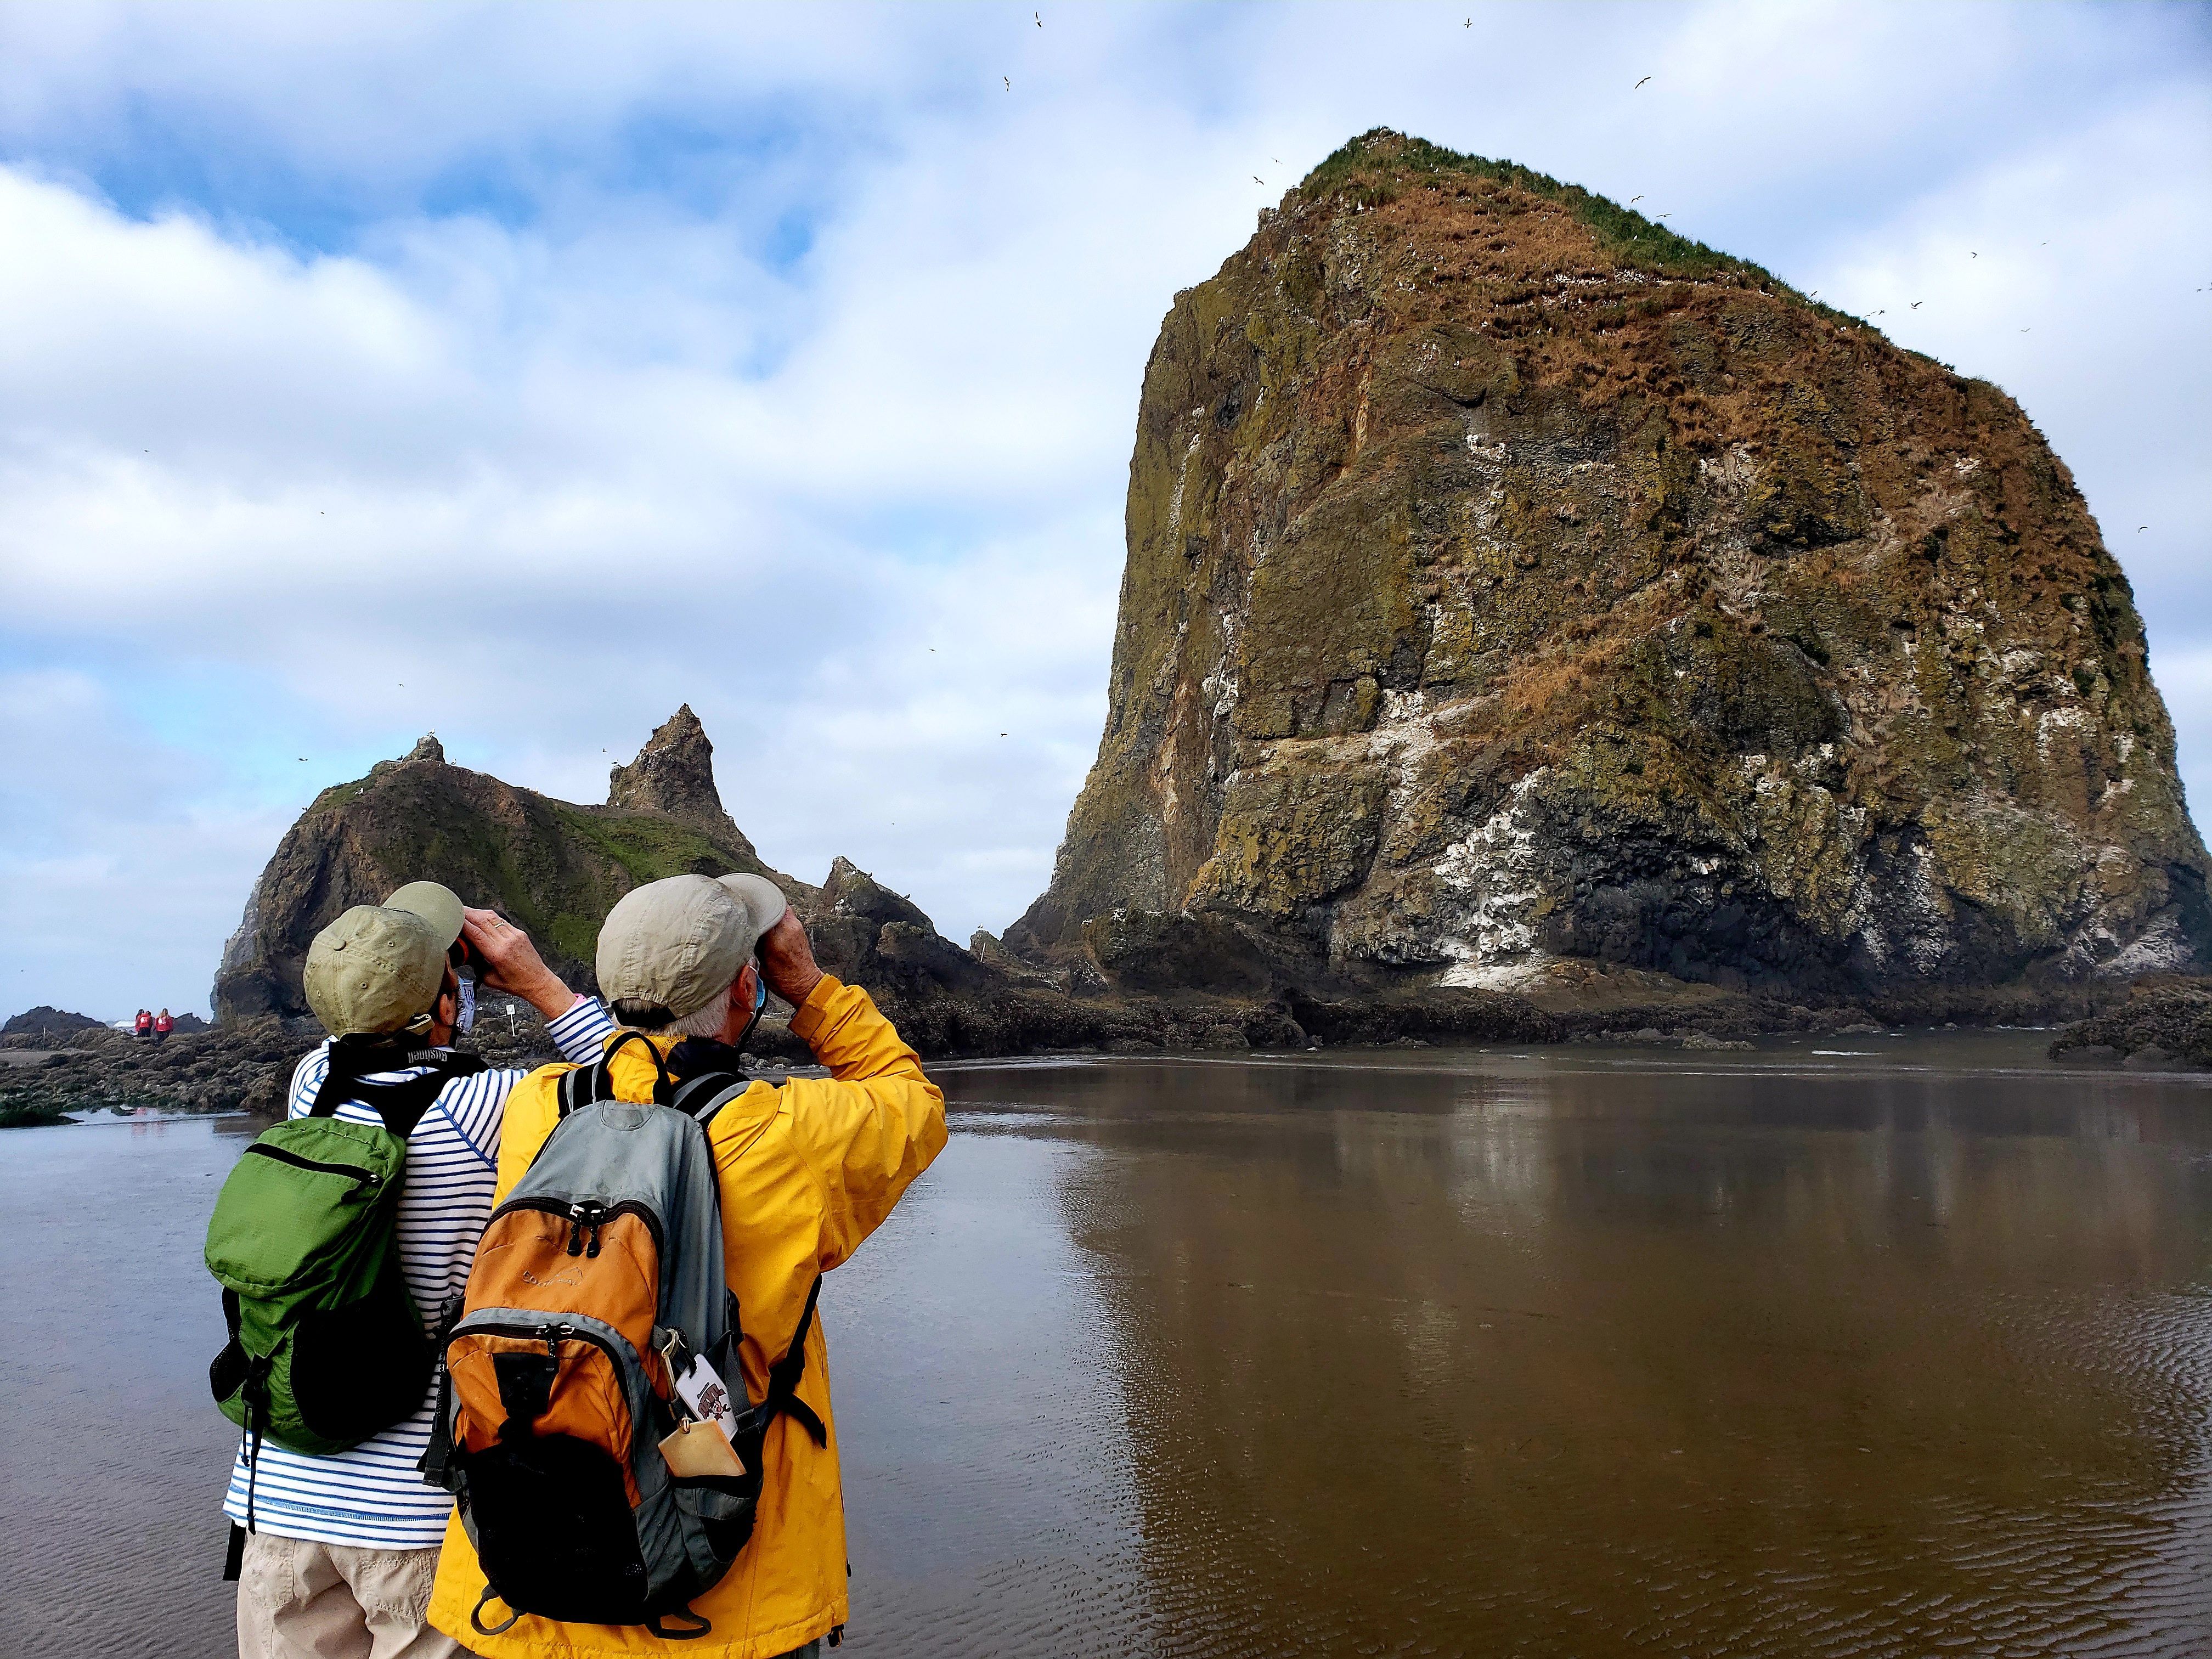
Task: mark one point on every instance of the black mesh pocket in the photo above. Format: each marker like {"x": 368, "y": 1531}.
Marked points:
{"x": 720, "y": 1512}
{"x": 554, "y": 1533}
{"x": 226, "y": 1372}
{"x": 362, "y": 1367}
{"x": 227, "y": 1375}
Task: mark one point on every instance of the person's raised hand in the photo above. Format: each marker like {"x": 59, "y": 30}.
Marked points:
{"x": 787, "y": 961}
{"x": 512, "y": 964}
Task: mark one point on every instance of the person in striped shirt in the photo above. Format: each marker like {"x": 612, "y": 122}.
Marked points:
{"x": 344, "y": 1548}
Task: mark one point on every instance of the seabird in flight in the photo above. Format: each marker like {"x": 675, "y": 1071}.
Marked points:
{"x": 1639, "y": 83}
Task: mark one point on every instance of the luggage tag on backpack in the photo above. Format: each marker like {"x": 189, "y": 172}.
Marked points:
{"x": 705, "y": 1396}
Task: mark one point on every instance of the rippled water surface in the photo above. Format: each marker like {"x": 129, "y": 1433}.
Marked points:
{"x": 1898, "y": 1352}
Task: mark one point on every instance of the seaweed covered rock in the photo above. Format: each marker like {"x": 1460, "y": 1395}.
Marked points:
{"x": 1511, "y": 583}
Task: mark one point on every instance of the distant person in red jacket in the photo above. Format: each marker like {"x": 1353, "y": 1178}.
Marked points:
{"x": 162, "y": 1026}
{"x": 145, "y": 1021}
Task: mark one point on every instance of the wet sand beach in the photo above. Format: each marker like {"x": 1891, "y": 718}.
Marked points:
{"x": 1899, "y": 1349}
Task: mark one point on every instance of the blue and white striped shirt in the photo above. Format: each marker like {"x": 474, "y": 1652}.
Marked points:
{"x": 372, "y": 1497}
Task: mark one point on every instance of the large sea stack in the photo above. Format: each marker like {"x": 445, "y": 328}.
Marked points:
{"x": 1516, "y": 588}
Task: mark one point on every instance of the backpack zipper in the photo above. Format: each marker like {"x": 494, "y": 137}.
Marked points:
{"x": 586, "y": 1216}
{"x": 366, "y": 1178}
{"x": 550, "y": 1332}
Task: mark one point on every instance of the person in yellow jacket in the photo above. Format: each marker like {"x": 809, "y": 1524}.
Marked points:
{"x": 807, "y": 1170}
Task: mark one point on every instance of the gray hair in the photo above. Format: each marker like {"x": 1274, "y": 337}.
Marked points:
{"x": 653, "y": 1018}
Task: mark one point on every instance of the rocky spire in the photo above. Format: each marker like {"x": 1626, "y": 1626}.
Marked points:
{"x": 674, "y": 774}
{"x": 426, "y": 748}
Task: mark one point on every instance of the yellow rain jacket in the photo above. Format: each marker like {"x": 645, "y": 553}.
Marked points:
{"x": 807, "y": 1172}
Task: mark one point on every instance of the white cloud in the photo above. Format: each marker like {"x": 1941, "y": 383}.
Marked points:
{"x": 522, "y": 374}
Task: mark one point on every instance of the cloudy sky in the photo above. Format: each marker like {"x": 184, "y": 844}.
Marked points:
{"x": 520, "y": 372}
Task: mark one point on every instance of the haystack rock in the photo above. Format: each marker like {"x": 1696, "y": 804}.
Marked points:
{"x": 1514, "y": 586}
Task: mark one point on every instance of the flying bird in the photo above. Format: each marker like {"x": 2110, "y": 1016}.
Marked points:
{"x": 1881, "y": 314}
{"x": 2139, "y": 530}
{"x": 1257, "y": 179}
{"x": 1009, "y": 79}
{"x": 1639, "y": 84}
{"x": 1040, "y": 17}
{"x": 1633, "y": 200}
{"x": 1916, "y": 304}
{"x": 1973, "y": 256}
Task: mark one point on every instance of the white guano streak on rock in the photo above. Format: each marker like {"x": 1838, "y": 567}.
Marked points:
{"x": 1491, "y": 877}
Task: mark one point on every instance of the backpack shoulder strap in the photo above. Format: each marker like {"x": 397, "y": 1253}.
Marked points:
{"x": 588, "y": 1084}
{"x": 703, "y": 1095}
{"x": 783, "y": 1379}
{"x": 569, "y": 1094}
{"x": 401, "y": 1105}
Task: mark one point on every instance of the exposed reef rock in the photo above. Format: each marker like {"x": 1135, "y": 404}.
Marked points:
{"x": 2166, "y": 1024}
{"x": 47, "y": 1020}
{"x": 1516, "y": 589}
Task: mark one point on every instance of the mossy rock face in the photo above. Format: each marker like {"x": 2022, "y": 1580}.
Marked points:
{"x": 553, "y": 867}
{"x": 1511, "y": 580}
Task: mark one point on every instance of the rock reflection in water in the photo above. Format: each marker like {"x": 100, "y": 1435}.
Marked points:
{"x": 1473, "y": 1355}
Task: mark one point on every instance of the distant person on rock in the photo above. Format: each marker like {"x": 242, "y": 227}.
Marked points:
{"x": 802, "y": 1172}
{"x": 145, "y": 1026}
{"x": 341, "y": 1549}
{"x": 162, "y": 1026}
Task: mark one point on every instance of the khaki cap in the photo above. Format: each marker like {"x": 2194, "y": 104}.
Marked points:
{"x": 373, "y": 970}
{"x": 438, "y": 905}
{"x": 678, "y": 943}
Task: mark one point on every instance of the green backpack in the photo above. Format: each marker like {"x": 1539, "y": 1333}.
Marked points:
{"x": 326, "y": 1346}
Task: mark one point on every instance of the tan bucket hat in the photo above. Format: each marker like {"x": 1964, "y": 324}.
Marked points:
{"x": 676, "y": 944}
{"x": 438, "y": 905}
{"x": 374, "y": 969}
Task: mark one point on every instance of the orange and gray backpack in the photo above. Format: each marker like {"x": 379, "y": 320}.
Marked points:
{"x": 599, "y": 1270}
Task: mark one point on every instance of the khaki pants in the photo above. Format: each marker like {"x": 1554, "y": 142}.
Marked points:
{"x": 297, "y": 1600}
